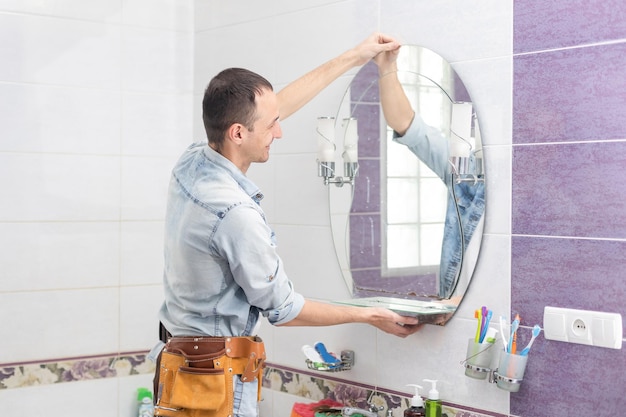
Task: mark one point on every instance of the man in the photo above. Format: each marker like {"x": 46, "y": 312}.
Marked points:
{"x": 222, "y": 269}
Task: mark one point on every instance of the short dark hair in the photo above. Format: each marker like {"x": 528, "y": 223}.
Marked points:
{"x": 230, "y": 98}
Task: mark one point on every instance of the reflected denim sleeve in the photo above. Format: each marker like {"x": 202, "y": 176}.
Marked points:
{"x": 249, "y": 245}
{"x": 429, "y": 145}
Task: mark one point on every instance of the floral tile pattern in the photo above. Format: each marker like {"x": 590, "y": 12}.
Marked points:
{"x": 314, "y": 388}
{"x": 69, "y": 370}
{"x": 303, "y": 384}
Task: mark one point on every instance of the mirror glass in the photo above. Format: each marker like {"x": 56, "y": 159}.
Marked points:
{"x": 408, "y": 237}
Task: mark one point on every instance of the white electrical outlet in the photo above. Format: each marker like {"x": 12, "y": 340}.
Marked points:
{"x": 593, "y": 328}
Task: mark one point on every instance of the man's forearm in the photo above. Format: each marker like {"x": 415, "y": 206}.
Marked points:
{"x": 321, "y": 314}
{"x": 301, "y": 91}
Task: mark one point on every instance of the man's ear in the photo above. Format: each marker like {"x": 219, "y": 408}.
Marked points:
{"x": 236, "y": 133}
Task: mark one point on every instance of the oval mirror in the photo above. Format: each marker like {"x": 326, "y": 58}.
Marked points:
{"x": 408, "y": 231}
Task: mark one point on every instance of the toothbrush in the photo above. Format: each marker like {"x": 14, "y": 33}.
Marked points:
{"x": 514, "y": 336}
{"x": 514, "y": 327}
{"x": 504, "y": 342}
{"x": 479, "y": 315}
{"x": 327, "y": 357}
{"x": 486, "y": 325}
{"x": 536, "y": 331}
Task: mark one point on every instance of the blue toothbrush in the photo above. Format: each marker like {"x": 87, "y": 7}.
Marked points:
{"x": 514, "y": 327}
{"x": 327, "y": 357}
{"x": 536, "y": 331}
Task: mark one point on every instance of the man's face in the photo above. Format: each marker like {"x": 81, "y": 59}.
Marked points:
{"x": 256, "y": 144}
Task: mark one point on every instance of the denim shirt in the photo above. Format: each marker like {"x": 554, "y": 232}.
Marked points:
{"x": 432, "y": 148}
{"x": 221, "y": 265}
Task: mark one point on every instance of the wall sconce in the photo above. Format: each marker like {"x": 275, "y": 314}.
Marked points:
{"x": 326, "y": 151}
{"x": 467, "y": 166}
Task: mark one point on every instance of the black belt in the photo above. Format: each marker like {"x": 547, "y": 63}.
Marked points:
{"x": 164, "y": 335}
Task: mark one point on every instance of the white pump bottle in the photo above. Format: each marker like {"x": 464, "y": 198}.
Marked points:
{"x": 417, "y": 404}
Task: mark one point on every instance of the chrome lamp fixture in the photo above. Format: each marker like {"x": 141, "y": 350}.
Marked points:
{"x": 465, "y": 159}
{"x": 326, "y": 151}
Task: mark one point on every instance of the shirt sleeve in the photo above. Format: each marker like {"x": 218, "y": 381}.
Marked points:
{"x": 429, "y": 145}
{"x": 248, "y": 243}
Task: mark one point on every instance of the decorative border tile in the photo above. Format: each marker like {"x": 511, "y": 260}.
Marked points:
{"x": 315, "y": 388}
{"x": 308, "y": 385}
{"x": 74, "y": 369}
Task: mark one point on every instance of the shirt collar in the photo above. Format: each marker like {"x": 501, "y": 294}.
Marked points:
{"x": 244, "y": 182}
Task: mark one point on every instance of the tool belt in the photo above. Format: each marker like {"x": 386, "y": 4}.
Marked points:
{"x": 194, "y": 375}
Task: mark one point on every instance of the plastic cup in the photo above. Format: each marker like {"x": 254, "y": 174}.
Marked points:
{"x": 510, "y": 372}
{"x": 478, "y": 359}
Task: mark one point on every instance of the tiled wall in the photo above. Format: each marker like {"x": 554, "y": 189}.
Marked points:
{"x": 95, "y": 105}
{"x": 569, "y": 211}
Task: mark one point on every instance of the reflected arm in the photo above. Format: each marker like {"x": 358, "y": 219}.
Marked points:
{"x": 396, "y": 107}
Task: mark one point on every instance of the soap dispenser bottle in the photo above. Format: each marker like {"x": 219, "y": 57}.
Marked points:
{"x": 417, "y": 404}
{"x": 433, "y": 403}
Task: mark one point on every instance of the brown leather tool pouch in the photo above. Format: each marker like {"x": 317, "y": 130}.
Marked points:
{"x": 194, "y": 376}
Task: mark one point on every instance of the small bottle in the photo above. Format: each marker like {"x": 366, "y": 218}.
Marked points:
{"x": 144, "y": 398}
{"x": 417, "y": 404}
{"x": 433, "y": 403}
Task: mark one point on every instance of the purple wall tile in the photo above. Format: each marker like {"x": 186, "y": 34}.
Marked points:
{"x": 563, "y": 380}
{"x": 572, "y": 273}
{"x": 366, "y": 197}
{"x": 364, "y": 86}
{"x": 541, "y": 24}
{"x": 570, "y": 190}
{"x": 368, "y": 283}
{"x": 365, "y": 241}
{"x": 368, "y": 126}
{"x": 570, "y": 95}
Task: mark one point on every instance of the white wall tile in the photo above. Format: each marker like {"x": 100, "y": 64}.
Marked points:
{"x": 256, "y": 53}
{"x": 212, "y": 14}
{"x": 498, "y": 189}
{"x": 45, "y": 256}
{"x": 139, "y": 323}
{"x": 490, "y": 285}
{"x": 96, "y": 398}
{"x": 141, "y": 252}
{"x": 490, "y": 85}
{"x": 316, "y": 276}
{"x": 457, "y": 30}
{"x": 40, "y": 187}
{"x": 337, "y": 26}
{"x": 59, "y": 51}
{"x": 302, "y": 197}
{"x": 156, "y": 124}
{"x": 59, "y": 324}
{"x": 163, "y": 14}
{"x": 43, "y": 118}
{"x": 156, "y": 60}
{"x": 144, "y": 187}
{"x": 98, "y": 10}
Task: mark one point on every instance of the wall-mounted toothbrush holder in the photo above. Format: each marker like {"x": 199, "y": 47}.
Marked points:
{"x": 507, "y": 376}
{"x": 478, "y": 360}
{"x": 510, "y": 372}
{"x": 346, "y": 363}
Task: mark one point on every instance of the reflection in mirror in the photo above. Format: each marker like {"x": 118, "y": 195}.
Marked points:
{"x": 408, "y": 233}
